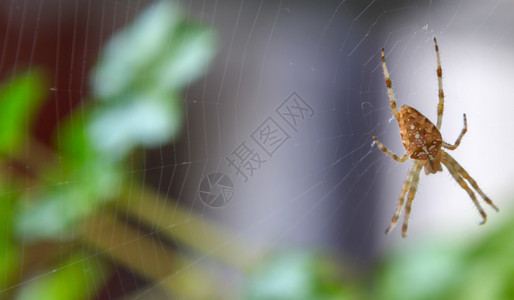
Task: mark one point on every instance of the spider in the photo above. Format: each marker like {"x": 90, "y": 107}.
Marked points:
{"x": 423, "y": 143}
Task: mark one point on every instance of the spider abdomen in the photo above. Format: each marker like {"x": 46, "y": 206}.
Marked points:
{"x": 420, "y": 137}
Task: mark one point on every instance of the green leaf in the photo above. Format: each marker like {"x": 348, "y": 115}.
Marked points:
{"x": 75, "y": 144}
{"x": 77, "y": 278}
{"x": 431, "y": 268}
{"x": 139, "y": 77}
{"x": 143, "y": 120}
{"x": 299, "y": 276}
{"x": 10, "y": 261}
{"x": 9, "y": 252}
{"x": 55, "y": 215}
{"x": 464, "y": 268}
{"x": 19, "y": 100}
{"x": 159, "y": 51}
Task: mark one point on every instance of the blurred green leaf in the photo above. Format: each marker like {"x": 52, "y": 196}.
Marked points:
{"x": 160, "y": 51}
{"x": 489, "y": 271}
{"x": 20, "y": 98}
{"x": 139, "y": 77}
{"x": 143, "y": 120}
{"x": 452, "y": 270}
{"x": 76, "y": 146}
{"x": 422, "y": 271}
{"x": 84, "y": 182}
{"x": 298, "y": 276}
{"x": 56, "y": 213}
{"x": 9, "y": 252}
{"x": 10, "y": 261}
{"x": 76, "y": 278}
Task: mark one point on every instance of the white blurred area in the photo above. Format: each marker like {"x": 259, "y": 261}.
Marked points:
{"x": 475, "y": 43}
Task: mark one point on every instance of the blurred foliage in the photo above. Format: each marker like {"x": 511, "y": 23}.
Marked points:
{"x": 458, "y": 269}
{"x": 139, "y": 76}
{"x": 78, "y": 277}
{"x": 136, "y": 85}
{"x": 135, "y": 102}
{"x": 9, "y": 251}
{"x": 19, "y": 100}
{"x": 483, "y": 269}
{"x": 297, "y": 275}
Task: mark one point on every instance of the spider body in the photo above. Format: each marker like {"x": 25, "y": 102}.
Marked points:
{"x": 421, "y": 138}
{"x": 424, "y": 144}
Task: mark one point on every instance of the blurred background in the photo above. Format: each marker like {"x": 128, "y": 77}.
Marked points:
{"x": 223, "y": 150}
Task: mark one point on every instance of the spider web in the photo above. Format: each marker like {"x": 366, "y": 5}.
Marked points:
{"x": 280, "y": 127}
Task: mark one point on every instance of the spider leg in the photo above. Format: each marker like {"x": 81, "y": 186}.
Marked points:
{"x": 389, "y": 87}
{"x": 416, "y": 168}
{"x": 452, "y": 164}
{"x": 388, "y": 152}
{"x": 401, "y": 199}
{"x": 457, "y": 142}
{"x": 440, "y": 106}
{"x": 457, "y": 176}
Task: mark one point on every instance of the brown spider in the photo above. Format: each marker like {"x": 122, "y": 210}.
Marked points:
{"x": 423, "y": 143}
